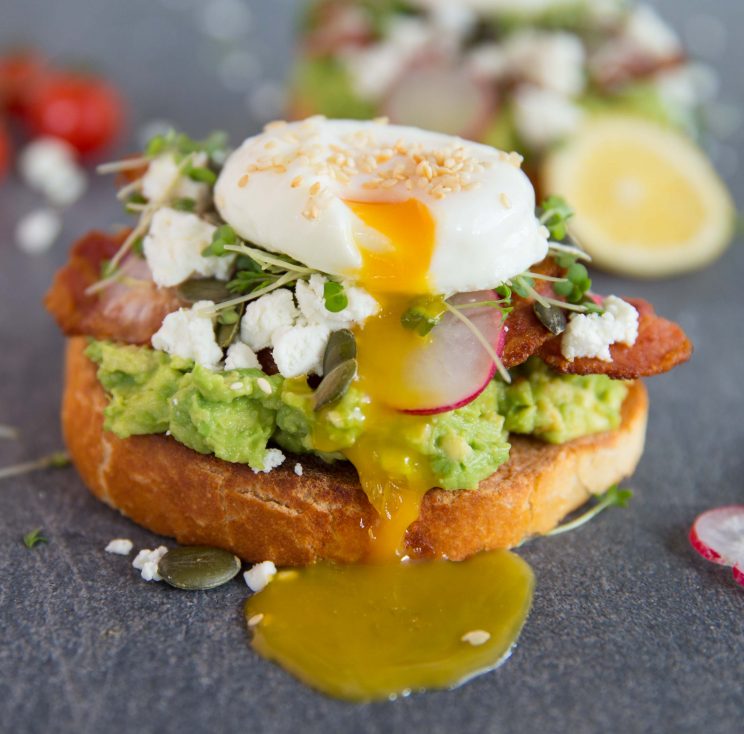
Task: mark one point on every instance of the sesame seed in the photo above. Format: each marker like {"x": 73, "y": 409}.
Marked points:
{"x": 255, "y": 620}
{"x": 505, "y": 200}
{"x": 236, "y": 386}
{"x": 315, "y": 188}
{"x": 296, "y": 181}
{"x": 476, "y": 637}
{"x": 298, "y": 469}
{"x": 264, "y": 385}
{"x": 243, "y": 181}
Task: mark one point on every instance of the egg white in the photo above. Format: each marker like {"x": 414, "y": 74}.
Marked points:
{"x": 485, "y": 233}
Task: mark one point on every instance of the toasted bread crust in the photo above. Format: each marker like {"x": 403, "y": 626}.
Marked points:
{"x": 323, "y": 514}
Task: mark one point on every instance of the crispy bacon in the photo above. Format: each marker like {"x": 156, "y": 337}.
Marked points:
{"x": 524, "y": 332}
{"x": 130, "y": 310}
{"x": 660, "y": 346}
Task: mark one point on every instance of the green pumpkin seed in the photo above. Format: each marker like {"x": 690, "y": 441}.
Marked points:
{"x": 335, "y": 384}
{"x": 341, "y": 348}
{"x": 203, "y": 289}
{"x": 225, "y": 332}
{"x": 198, "y": 567}
{"x": 551, "y": 317}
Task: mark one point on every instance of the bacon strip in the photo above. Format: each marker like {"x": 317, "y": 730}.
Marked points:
{"x": 129, "y": 311}
{"x": 524, "y": 332}
{"x": 661, "y": 345}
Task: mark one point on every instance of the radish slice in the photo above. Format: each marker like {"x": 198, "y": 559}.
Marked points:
{"x": 718, "y": 536}
{"x": 453, "y": 368}
{"x": 444, "y": 99}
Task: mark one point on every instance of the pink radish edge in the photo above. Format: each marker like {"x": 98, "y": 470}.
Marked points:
{"x": 723, "y": 526}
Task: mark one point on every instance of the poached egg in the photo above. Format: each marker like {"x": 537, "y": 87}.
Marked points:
{"x": 398, "y": 208}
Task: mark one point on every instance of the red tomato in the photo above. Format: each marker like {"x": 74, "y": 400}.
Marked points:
{"x": 20, "y": 72}
{"x": 85, "y": 111}
{"x": 4, "y": 151}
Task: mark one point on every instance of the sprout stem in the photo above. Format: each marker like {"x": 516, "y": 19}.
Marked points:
{"x": 484, "y": 342}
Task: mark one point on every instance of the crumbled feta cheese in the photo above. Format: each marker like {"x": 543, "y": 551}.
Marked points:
{"x": 591, "y": 335}
{"x": 543, "y": 117}
{"x": 373, "y": 68}
{"x": 241, "y": 357}
{"x": 550, "y": 60}
{"x": 161, "y": 174}
{"x": 312, "y": 304}
{"x": 37, "y": 231}
{"x": 299, "y": 350}
{"x": 267, "y": 315}
{"x": 476, "y": 637}
{"x": 647, "y": 32}
{"x": 173, "y": 248}
{"x": 273, "y": 459}
{"x": 189, "y": 333}
{"x": 147, "y": 561}
{"x": 120, "y": 546}
{"x": 298, "y": 469}
{"x": 258, "y": 577}
{"x": 49, "y": 165}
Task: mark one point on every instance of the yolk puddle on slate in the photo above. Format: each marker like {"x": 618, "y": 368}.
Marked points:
{"x": 391, "y": 625}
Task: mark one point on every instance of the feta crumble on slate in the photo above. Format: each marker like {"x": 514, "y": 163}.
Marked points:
{"x": 173, "y": 248}
{"x": 189, "y": 333}
{"x": 591, "y": 335}
{"x": 119, "y": 546}
{"x": 257, "y": 577}
{"x": 147, "y": 561}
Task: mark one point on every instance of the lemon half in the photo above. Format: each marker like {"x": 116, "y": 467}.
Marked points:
{"x": 648, "y": 203}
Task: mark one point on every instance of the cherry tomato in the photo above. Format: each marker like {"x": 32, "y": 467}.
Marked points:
{"x": 20, "y": 72}
{"x": 85, "y": 111}
{"x": 4, "y": 151}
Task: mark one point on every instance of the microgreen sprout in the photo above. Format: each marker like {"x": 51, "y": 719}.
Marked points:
{"x": 224, "y": 235}
{"x": 181, "y": 145}
{"x": 228, "y": 316}
{"x": 334, "y": 296}
{"x": 613, "y": 497}
{"x": 554, "y": 214}
{"x": 424, "y": 313}
{"x": 184, "y": 204}
{"x": 503, "y": 372}
{"x": 57, "y": 460}
{"x": 34, "y": 538}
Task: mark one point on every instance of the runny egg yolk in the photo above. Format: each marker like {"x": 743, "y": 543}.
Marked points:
{"x": 393, "y": 477}
{"x": 376, "y": 630}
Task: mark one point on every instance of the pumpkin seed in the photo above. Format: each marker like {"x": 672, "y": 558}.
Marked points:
{"x": 225, "y": 332}
{"x": 551, "y": 317}
{"x": 341, "y": 348}
{"x": 198, "y": 567}
{"x": 203, "y": 289}
{"x": 335, "y": 384}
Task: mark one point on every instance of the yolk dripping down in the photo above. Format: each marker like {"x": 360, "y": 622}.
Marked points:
{"x": 373, "y": 631}
{"x": 394, "y": 478}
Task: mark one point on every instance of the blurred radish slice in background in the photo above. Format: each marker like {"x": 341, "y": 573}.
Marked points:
{"x": 718, "y": 536}
{"x": 441, "y": 98}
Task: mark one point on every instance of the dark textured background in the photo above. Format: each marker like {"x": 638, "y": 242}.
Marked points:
{"x": 630, "y": 631}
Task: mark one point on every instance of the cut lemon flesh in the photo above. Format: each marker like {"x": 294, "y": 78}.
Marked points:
{"x": 648, "y": 203}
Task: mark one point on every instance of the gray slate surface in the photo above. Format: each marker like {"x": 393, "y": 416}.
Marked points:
{"x": 630, "y": 631}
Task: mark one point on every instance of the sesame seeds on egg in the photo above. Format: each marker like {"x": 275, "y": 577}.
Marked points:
{"x": 292, "y": 189}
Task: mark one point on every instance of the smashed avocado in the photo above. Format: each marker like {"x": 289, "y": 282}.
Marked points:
{"x": 558, "y": 408}
{"x": 235, "y": 414}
